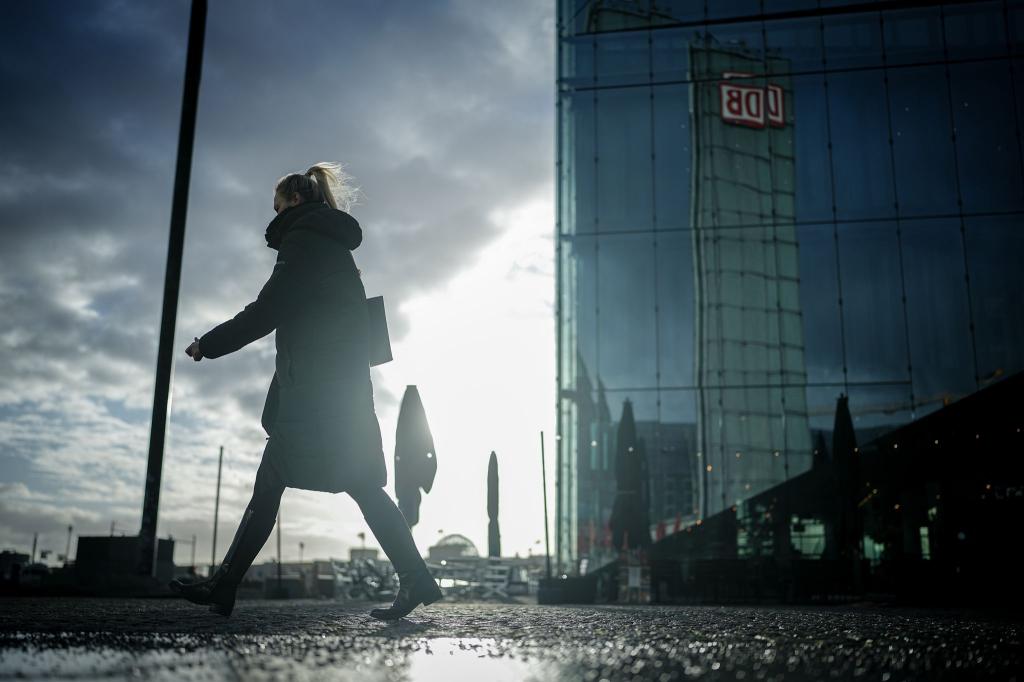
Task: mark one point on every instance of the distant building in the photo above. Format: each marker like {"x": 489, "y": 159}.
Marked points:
{"x": 363, "y": 554}
{"x": 453, "y": 547}
{"x": 8, "y": 560}
{"x": 104, "y": 562}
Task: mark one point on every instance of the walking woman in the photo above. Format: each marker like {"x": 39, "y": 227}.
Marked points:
{"x": 319, "y": 415}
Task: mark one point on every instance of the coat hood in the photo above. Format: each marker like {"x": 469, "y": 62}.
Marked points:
{"x": 316, "y": 217}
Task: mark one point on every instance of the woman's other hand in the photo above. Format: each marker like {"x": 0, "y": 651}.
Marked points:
{"x": 193, "y": 350}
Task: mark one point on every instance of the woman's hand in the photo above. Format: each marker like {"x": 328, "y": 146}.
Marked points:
{"x": 193, "y": 350}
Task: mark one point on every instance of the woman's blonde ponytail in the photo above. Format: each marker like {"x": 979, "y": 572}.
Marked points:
{"x": 325, "y": 181}
{"x": 334, "y": 183}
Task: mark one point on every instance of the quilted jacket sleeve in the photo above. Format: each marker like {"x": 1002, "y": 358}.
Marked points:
{"x": 263, "y": 315}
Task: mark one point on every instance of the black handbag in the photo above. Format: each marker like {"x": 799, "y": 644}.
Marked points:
{"x": 380, "y": 343}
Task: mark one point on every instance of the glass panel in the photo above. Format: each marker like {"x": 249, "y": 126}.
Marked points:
{"x": 773, "y": 6}
{"x": 682, "y": 10}
{"x": 812, "y": 164}
{"x": 582, "y": 193}
{"x": 821, "y": 411}
{"x": 974, "y": 31}
{"x": 797, "y": 42}
{"x": 994, "y": 248}
{"x": 852, "y": 40}
{"x": 581, "y": 58}
{"x": 673, "y": 460}
{"x": 986, "y": 141}
{"x": 675, "y": 308}
{"x": 673, "y": 156}
{"x": 939, "y": 323}
{"x": 878, "y": 409}
{"x": 572, "y": 15}
{"x": 819, "y": 300}
{"x": 913, "y": 36}
{"x": 583, "y": 277}
{"x": 622, "y": 58}
{"x": 1018, "y": 86}
{"x": 839, "y": 3}
{"x": 922, "y": 141}
{"x": 722, "y": 9}
{"x": 624, "y": 182}
{"x": 860, "y": 145}
{"x": 1016, "y": 28}
{"x": 873, "y": 323}
{"x": 670, "y": 57}
{"x": 625, "y": 328}
{"x": 566, "y": 318}
{"x": 739, "y": 432}
{"x": 596, "y": 478}
{"x": 674, "y": 488}
{"x": 743, "y": 38}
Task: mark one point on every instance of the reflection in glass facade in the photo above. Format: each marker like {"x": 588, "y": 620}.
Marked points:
{"x": 764, "y": 205}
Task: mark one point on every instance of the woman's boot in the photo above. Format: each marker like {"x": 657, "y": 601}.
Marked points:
{"x": 414, "y": 589}
{"x": 416, "y": 585}
{"x": 218, "y": 591}
{"x": 214, "y": 591}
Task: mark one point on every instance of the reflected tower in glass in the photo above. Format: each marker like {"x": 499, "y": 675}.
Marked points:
{"x": 752, "y": 430}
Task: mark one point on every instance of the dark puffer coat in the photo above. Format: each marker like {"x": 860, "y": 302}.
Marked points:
{"x": 319, "y": 411}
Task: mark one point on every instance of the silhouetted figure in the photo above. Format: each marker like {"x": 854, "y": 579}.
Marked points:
{"x": 319, "y": 413}
{"x": 415, "y": 458}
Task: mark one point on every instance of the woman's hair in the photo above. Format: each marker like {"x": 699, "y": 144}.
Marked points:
{"x": 325, "y": 181}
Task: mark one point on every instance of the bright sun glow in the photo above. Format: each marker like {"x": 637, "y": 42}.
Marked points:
{"x": 481, "y": 351}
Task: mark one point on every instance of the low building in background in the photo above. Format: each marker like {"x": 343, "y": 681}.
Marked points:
{"x": 108, "y": 565}
{"x": 453, "y": 547}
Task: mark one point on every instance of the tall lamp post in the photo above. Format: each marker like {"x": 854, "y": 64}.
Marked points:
{"x": 216, "y": 513}
{"x": 172, "y": 282}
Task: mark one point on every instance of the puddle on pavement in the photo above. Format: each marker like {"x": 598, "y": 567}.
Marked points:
{"x": 450, "y": 658}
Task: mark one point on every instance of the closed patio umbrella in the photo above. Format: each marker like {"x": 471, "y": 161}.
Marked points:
{"x": 629, "y": 520}
{"x": 493, "y": 534}
{"x": 415, "y": 459}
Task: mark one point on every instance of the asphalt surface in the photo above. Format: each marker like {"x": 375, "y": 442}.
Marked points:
{"x": 311, "y": 640}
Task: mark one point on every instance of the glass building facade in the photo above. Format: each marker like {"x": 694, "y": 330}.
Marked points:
{"x": 764, "y": 205}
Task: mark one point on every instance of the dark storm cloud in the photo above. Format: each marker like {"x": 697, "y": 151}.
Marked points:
{"x": 439, "y": 109}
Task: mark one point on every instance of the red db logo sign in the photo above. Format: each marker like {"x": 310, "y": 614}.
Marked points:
{"x": 751, "y": 105}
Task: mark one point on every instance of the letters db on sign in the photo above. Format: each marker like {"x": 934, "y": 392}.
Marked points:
{"x": 751, "y": 105}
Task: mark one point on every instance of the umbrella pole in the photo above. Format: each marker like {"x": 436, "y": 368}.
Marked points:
{"x": 544, "y": 483}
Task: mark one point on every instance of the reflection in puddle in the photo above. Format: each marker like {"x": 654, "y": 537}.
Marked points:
{"x": 471, "y": 658}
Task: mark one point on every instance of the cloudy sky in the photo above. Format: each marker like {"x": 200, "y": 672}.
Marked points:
{"x": 444, "y": 113}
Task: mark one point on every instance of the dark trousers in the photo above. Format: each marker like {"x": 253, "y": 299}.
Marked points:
{"x": 385, "y": 519}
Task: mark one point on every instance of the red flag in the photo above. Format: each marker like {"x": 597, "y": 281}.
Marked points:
{"x": 659, "y": 532}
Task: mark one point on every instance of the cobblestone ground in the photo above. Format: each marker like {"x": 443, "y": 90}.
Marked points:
{"x": 163, "y": 639}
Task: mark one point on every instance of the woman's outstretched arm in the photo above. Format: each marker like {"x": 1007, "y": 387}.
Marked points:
{"x": 263, "y": 315}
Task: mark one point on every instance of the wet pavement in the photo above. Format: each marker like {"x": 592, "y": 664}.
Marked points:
{"x": 313, "y": 640}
